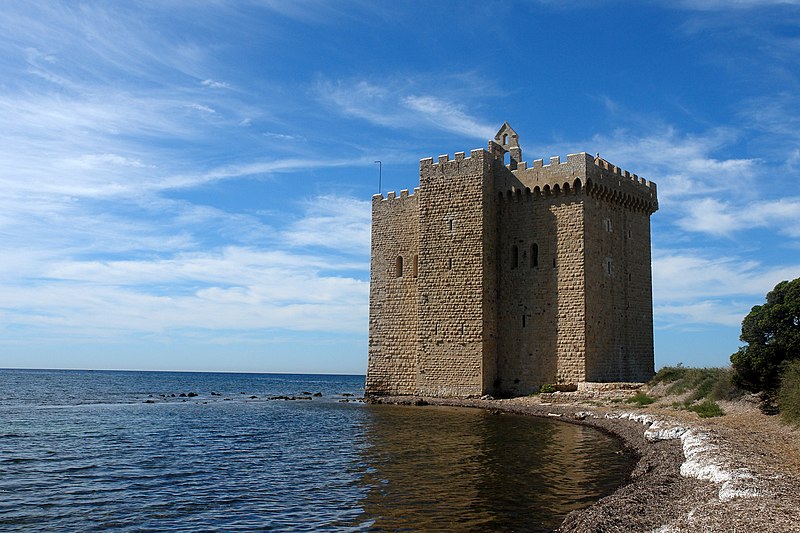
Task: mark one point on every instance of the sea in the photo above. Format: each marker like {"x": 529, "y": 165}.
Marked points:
{"x": 182, "y": 451}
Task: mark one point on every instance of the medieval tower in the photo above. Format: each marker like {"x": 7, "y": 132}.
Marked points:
{"x": 494, "y": 277}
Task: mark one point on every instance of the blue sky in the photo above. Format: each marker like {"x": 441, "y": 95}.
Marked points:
{"x": 186, "y": 184}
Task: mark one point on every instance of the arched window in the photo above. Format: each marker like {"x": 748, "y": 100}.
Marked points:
{"x": 398, "y": 267}
{"x": 415, "y": 266}
{"x": 534, "y": 255}
{"x": 514, "y": 256}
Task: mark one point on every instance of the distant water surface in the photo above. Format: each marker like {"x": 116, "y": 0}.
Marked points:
{"x": 82, "y": 450}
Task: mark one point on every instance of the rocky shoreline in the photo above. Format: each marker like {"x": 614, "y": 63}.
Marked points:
{"x": 691, "y": 474}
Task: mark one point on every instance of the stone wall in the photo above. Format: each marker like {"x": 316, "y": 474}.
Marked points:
{"x": 619, "y": 290}
{"x": 455, "y": 233}
{"x": 541, "y": 298}
{"x": 393, "y": 311}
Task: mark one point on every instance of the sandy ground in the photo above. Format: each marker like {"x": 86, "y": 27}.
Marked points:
{"x": 738, "y": 472}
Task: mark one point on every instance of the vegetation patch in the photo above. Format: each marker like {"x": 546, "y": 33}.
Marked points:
{"x": 772, "y": 334}
{"x": 707, "y": 409}
{"x": 701, "y": 383}
{"x": 641, "y": 399}
{"x": 547, "y": 387}
{"x": 789, "y": 393}
{"x": 699, "y": 388}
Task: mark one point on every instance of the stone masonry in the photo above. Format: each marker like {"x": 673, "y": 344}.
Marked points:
{"x": 496, "y": 278}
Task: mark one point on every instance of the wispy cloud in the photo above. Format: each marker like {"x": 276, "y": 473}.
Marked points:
{"x": 720, "y": 218}
{"x": 351, "y": 219}
{"x": 213, "y": 84}
{"x": 231, "y": 288}
{"x": 683, "y": 164}
{"x": 692, "y": 288}
{"x": 401, "y": 105}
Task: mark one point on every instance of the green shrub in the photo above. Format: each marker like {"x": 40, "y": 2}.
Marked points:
{"x": 789, "y": 393}
{"x": 641, "y": 399}
{"x": 707, "y": 409}
{"x": 547, "y": 387}
{"x": 772, "y": 334}
{"x": 712, "y": 383}
{"x": 668, "y": 374}
{"x": 725, "y": 388}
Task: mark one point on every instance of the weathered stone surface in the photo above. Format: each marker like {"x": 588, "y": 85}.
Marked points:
{"x": 497, "y": 278}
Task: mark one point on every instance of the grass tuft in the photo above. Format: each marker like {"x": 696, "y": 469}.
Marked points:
{"x": 704, "y": 383}
{"x": 641, "y": 399}
{"x": 707, "y": 409}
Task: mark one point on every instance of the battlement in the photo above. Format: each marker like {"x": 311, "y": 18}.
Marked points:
{"x": 478, "y": 153}
{"x": 579, "y": 159}
{"x": 584, "y": 160}
{"x": 392, "y": 196}
{"x": 581, "y": 173}
{"x": 615, "y": 170}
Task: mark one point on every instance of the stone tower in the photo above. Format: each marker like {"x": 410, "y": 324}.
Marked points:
{"x": 493, "y": 277}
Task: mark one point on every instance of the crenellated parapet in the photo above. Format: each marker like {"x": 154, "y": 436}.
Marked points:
{"x": 581, "y": 173}
{"x": 392, "y": 196}
{"x": 610, "y": 182}
{"x": 478, "y": 163}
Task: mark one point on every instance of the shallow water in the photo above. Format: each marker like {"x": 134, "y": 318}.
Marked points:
{"x": 83, "y": 451}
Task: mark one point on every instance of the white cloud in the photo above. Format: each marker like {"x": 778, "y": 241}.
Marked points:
{"x": 682, "y": 164}
{"x": 448, "y": 115}
{"x": 700, "y": 312}
{"x": 401, "y": 105}
{"x": 230, "y": 288}
{"x": 213, "y": 84}
{"x": 333, "y": 222}
{"x": 201, "y": 107}
{"x": 720, "y": 218}
{"x": 691, "y": 288}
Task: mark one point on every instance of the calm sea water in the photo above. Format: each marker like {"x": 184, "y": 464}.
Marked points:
{"x": 83, "y": 450}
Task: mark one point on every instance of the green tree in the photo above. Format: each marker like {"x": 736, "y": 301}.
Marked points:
{"x": 772, "y": 334}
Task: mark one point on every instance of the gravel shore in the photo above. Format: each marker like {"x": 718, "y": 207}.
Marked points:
{"x": 739, "y": 472}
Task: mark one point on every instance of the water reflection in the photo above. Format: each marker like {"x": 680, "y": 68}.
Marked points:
{"x": 438, "y": 468}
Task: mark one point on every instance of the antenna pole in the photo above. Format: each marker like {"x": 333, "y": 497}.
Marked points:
{"x": 380, "y": 175}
